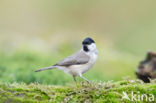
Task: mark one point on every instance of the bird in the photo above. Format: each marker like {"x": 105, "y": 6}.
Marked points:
{"x": 79, "y": 62}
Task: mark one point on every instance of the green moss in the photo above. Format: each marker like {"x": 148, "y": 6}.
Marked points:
{"x": 110, "y": 92}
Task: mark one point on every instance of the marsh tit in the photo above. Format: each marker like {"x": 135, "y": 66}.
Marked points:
{"x": 80, "y": 62}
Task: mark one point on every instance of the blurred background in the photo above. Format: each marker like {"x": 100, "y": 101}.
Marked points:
{"x": 39, "y": 33}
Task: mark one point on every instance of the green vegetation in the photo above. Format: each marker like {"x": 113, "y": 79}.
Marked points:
{"x": 108, "y": 92}
{"x": 19, "y": 67}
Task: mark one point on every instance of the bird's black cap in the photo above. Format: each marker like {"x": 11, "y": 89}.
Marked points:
{"x": 88, "y": 41}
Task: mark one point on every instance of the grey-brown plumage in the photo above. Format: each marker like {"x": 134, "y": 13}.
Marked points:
{"x": 75, "y": 59}
{"x": 78, "y": 58}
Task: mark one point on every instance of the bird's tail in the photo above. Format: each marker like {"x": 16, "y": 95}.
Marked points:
{"x": 46, "y": 68}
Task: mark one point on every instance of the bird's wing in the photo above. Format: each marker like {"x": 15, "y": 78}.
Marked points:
{"x": 75, "y": 59}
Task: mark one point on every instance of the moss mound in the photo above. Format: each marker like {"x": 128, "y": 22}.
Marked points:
{"x": 108, "y": 92}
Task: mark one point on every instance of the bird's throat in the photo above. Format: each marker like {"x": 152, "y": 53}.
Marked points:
{"x": 85, "y": 48}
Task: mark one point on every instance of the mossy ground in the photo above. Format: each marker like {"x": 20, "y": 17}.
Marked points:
{"x": 108, "y": 92}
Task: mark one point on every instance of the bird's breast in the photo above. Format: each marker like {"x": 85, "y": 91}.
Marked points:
{"x": 76, "y": 69}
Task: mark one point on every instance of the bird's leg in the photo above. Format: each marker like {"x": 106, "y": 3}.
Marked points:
{"x": 74, "y": 77}
{"x": 84, "y": 78}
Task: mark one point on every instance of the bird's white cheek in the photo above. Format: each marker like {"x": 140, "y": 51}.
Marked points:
{"x": 92, "y": 47}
